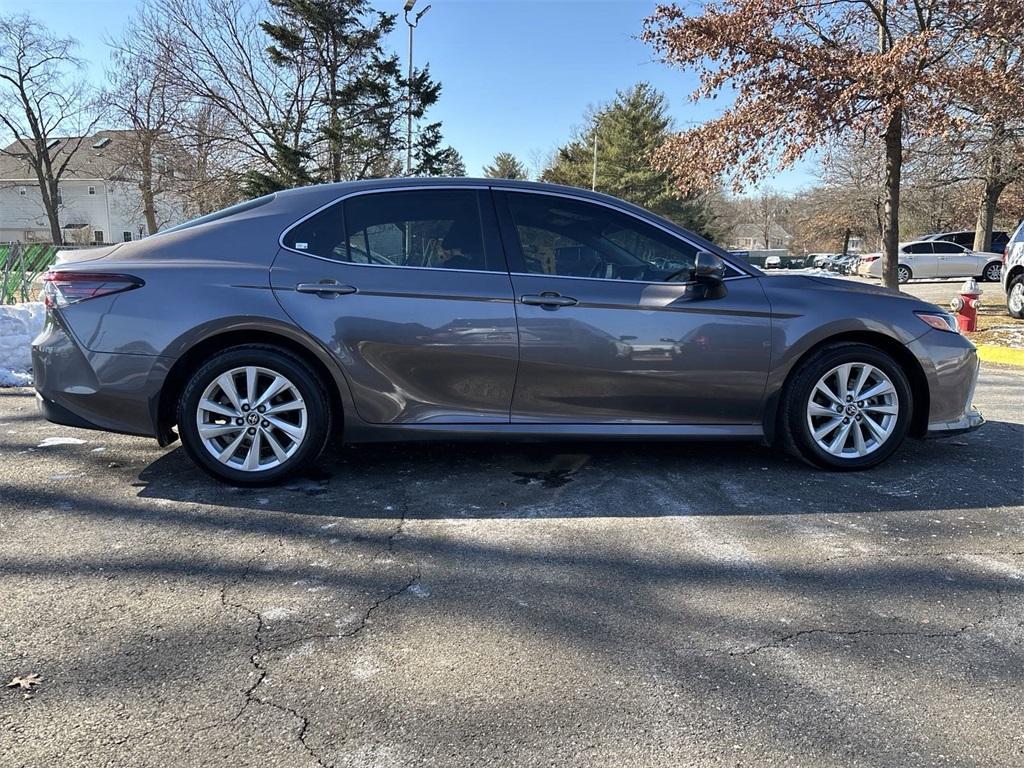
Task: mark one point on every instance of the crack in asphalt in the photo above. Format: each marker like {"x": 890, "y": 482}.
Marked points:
{"x": 259, "y": 648}
{"x": 878, "y": 555}
{"x": 794, "y": 636}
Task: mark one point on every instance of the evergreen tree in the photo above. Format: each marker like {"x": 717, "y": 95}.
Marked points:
{"x": 629, "y": 131}
{"x": 361, "y": 102}
{"x": 506, "y": 166}
{"x": 430, "y": 158}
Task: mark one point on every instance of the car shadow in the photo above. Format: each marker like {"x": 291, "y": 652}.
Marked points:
{"x": 612, "y": 479}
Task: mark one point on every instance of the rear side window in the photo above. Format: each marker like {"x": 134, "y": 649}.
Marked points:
{"x": 437, "y": 229}
{"x": 947, "y": 247}
{"x": 918, "y": 248}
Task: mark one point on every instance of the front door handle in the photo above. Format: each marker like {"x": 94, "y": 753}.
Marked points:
{"x": 326, "y": 288}
{"x": 549, "y": 299}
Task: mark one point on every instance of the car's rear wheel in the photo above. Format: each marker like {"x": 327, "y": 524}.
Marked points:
{"x": 992, "y": 272}
{"x": 903, "y": 274}
{"x": 847, "y": 407}
{"x": 254, "y": 415}
{"x": 1015, "y": 297}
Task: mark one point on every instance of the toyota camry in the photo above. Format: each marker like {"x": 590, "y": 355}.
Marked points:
{"x": 450, "y": 309}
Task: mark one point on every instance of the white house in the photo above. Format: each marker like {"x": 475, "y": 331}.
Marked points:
{"x": 99, "y": 201}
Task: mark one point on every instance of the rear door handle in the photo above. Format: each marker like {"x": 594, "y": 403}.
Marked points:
{"x": 326, "y": 288}
{"x": 549, "y": 299}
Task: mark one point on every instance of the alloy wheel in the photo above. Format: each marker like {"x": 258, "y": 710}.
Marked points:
{"x": 251, "y": 418}
{"x": 1016, "y": 299}
{"x": 993, "y": 272}
{"x": 852, "y": 410}
{"x": 902, "y": 275}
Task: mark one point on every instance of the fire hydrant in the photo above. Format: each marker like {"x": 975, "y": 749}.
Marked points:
{"x": 965, "y": 306}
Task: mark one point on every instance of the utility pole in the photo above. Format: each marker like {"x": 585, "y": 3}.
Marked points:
{"x": 413, "y": 23}
{"x": 593, "y": 177}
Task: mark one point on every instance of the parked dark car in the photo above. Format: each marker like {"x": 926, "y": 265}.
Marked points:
{"x": 439, "y": 309}
{"x": 965, "y": 237}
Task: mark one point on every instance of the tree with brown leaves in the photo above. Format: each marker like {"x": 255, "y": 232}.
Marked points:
{"x": 807, "y": 72}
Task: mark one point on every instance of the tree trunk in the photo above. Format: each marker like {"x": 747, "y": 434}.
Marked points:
{"x": 891, "y": 220}
{"x": 51, "y": 206}
{"x": 146, "y": 187}
{"x": 993, "y": 188}
{"x": 846, "y": 243}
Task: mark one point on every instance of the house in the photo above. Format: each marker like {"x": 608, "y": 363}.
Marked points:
{"x": 99, "y": 200}
{"x": 750, "y": 237}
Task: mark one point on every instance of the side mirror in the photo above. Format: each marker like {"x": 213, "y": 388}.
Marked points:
{"x": 708, "y": 268}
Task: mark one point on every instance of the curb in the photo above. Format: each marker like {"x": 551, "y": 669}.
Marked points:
{"x": 991, "y": 353}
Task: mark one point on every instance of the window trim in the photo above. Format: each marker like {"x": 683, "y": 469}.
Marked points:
{"x": 508, "y": 271}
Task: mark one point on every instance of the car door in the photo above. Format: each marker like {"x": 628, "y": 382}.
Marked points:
{"x": 920, "y": 258}
{"x": 409, "y": 290}
{"x": 604, "y": 337}
{"x": 954, "y": 260}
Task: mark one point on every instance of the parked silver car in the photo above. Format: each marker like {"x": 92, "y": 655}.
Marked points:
{"x": 437, "y": 309}
{"x": 1013, "y": 273}
{"x": 935, "y": 259}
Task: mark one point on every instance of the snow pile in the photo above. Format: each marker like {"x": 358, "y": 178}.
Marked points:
{"x": 19, "y": 324}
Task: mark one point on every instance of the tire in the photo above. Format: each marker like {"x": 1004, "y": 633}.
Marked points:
{"x": 903, "y": 274}
{"x": 284, "y": 444}
{"x": 1015, "y": 297}
{"x": 993, "y": 272}
{"x": 804, "y": 408}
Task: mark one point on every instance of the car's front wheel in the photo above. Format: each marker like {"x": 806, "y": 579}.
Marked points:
{"x": 847, "y": 407}
{"x": 254, "y": 415}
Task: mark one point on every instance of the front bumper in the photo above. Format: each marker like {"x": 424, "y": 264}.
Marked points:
{"x": 969, "y": 422}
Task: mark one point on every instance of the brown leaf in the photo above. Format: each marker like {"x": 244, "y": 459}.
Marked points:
{"x": 26, "y": 682}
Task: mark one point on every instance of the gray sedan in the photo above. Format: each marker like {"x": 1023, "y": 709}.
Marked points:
{"x": 442, "y": 309}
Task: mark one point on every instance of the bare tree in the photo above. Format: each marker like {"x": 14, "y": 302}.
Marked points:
{"x": 214, "y": 55}
{"x": 138, "y": 98}
{"x": 46, "y": 109}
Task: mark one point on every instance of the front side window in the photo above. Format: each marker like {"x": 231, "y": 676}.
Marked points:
{"x": 438, "y": 229}
{"x": 570, "y": 238}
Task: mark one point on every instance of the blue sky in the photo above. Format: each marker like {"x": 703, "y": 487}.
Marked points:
{"x": 517, "y": 75}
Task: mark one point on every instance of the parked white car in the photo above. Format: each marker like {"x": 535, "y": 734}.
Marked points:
{"x": 773, "y": 262}
{"x": 935, "y": 259}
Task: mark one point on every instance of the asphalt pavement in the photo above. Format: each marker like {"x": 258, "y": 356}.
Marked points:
{"x": 514, "y": 605}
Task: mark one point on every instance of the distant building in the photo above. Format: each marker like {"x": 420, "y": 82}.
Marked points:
{"x": 99, "y": 201}
{"x": 750, "y": 237}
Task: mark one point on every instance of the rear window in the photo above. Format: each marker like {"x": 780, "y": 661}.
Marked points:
{"x": 223, "y": 213}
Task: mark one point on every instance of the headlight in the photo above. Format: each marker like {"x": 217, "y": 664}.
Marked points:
{"x": 940, "y": 321}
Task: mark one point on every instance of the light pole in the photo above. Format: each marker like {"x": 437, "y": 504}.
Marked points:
{"x": 413, "y": 23}
{"x": 593, "y": 177}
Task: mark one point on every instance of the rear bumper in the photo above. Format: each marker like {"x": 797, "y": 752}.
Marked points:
{"x": 95, "y": 390}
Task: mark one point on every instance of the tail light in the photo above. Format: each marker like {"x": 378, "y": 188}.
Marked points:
{"x": 869, "y": 259}
{"x": 63, "y": 288}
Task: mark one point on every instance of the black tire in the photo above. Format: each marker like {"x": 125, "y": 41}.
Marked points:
{"x": 993, "y": 272}
{"x": 1015, "y": 297}
{"x": 298, "y": 372}
{"x": 796, "y": 431}
{"x": 903, "y": 274}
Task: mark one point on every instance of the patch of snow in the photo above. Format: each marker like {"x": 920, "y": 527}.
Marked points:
{"x": 19, "y": 324}
{"x": 52, "y": 441}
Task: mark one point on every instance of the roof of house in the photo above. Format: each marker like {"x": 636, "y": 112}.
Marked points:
{"x": 99, "y": 156}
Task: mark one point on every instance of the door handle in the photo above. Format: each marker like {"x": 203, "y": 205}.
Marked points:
{"x": 549, "y": 299}
{"x": 326, "y": 288}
